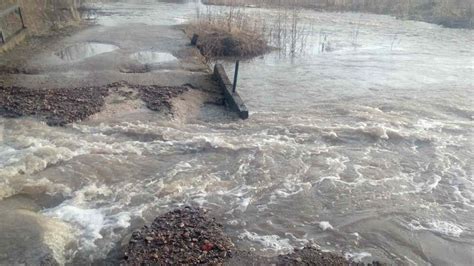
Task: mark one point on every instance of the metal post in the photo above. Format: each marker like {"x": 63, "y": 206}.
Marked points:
{"x": 236, "y": 74}
{"x": 21, "y": 17}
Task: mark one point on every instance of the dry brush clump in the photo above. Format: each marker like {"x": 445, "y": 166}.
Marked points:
{"x": 234, "y": 31}
{"x": 215, "y": 41}
{"x": 228, "y": 32}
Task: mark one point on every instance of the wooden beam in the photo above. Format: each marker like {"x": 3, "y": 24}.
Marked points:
{"x": 2, "y": 37}
{"x": 21, "y": 18}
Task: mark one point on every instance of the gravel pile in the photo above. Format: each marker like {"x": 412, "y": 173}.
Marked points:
{"x": 66, "y": 105}
{"x": 183, "y": 236}
{"x": 56, "y": 106}
{"x": 157, "y": 98}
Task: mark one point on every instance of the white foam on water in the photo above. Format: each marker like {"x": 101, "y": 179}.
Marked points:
{"x": 244, "y": 203}
{"x": 36, "y": 156}
{"x": 428, "y": 124}
{"x": 269, "y": 242}
{"x": 90, "y": 222}
{"x": 357, "y": 235}
{"x": 337, "y": 164}
{"x": 302, "y": 241}
{"x": 430, "y": 186}
{"x": 446, "y": 228}
{"x": 356, "y": 256}
{"x": 325, "y": 225}
{"x": 7, "y": 155}
{"x": 375, "y": 131}
{"x": 437, "y": 226}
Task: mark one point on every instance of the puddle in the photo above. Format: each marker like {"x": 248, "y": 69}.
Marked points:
{"x": 85, "y": 50}
{"x": 153, "y": 57}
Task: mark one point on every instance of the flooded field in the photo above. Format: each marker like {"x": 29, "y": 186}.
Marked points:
{"x": 365, "y": 148}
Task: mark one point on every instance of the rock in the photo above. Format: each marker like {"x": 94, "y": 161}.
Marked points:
{"x": 183, "y": 236}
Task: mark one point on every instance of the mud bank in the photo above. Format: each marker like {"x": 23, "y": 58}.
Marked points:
{"x": 190, "y": 236}
{"x": 66, "y": 105}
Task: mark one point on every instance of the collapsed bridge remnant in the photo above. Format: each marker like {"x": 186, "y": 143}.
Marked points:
{"x": 231, "y": 96}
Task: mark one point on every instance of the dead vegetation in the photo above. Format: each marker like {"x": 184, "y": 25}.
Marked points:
{"x": 228, "y": 32}
{"x": 216, "y": 41}
{"x": 233, "y": 30}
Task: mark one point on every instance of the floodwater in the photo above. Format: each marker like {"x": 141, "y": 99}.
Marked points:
{"x": 365, "y": 148}
{"x": 85, "y": 50}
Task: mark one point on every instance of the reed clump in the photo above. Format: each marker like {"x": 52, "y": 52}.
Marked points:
{"x": 228, "y": 32}
{"x": 215, "y": 41}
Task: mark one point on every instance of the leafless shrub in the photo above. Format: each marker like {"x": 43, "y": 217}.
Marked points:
{"x": 217, "y": 41}
{"x": 235, "y": 31}
{"x": 228, "y": 32}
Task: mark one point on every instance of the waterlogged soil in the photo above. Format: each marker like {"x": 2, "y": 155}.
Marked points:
{"x": 66, "y": 105}
{"x": 190, "y": 236}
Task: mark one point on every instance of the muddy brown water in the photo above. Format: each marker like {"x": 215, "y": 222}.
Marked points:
{"x": 363, "y": 149}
